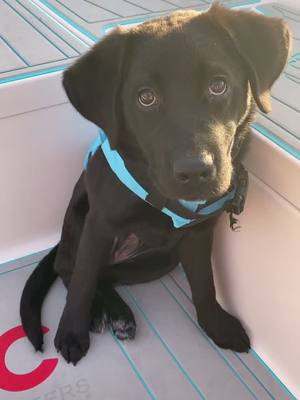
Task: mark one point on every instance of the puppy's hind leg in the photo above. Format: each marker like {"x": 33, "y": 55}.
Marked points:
{"x": 109, "y": 309}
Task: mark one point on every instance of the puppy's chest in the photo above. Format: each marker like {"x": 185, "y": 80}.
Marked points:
{"x": 136, "y": 239}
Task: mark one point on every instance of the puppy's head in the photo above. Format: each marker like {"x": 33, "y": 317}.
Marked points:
{"x": 177, "y": 93}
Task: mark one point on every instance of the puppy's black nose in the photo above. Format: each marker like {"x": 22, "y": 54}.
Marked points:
{"x": 194, "y": 168}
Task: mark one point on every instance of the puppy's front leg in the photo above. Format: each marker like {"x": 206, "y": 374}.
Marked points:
{"x": 195, "y": 255}
{"x": 72, "y": 337}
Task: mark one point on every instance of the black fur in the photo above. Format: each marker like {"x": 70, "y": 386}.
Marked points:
{"x": 110, "y": 237}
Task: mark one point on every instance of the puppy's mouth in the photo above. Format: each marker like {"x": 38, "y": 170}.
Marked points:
{"x": 200, "y": 189}
{"x": 205, "y": 192}
{"x": 202, "y": 194}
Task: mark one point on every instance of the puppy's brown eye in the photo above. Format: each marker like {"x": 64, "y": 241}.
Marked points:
{"x": 217, "y": 87}
{"x": 147, "y": 97}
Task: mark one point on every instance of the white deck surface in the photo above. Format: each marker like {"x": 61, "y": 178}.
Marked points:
{"x": 170, "y": 359}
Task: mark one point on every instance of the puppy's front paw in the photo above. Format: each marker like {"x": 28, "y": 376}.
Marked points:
{"x": 224, "y": 329}
{"x": 72, "y": 344}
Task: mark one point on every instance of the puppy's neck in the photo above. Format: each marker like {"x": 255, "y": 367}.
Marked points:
{"x": 138, "y": 168}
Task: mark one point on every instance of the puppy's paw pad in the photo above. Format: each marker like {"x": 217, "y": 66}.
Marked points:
{"x": 123, "y": 329}
{"x": 122, "y": 321}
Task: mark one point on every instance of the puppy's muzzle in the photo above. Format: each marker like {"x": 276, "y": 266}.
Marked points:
{"x": 194, "y": 170}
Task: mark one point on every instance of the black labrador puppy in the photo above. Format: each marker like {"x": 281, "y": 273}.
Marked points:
{"x": 175, "y": 97}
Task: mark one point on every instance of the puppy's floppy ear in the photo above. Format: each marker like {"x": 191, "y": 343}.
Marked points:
{"x": 263, "y": 44}
{"x": 93, "y": 82}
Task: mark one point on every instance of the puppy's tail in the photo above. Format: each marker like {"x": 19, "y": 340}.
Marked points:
{"x": 34, "y": 292}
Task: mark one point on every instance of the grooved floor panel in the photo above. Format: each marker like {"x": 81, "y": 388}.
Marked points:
{"x": 171, "y": 357}
{"x": 41, "y": 36}
{"x": 90, "y": 16}
{"x": 31, "y": 40}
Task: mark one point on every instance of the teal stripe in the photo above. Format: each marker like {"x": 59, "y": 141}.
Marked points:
{"x": 69, "y": 21}
{"x": 40, "y": 252}
{"x": 255, "y": 376}
{"x": 292, "y": 78}
{"x": 32, "y": 74}
{"x": 134, "y": 21}
{"x": 34, "y": 27}
{"x": 212, "y": 345}
{"x": 293, "y": 62}
{"x": 63, "y": 27}
{"x": 181, "y": 289}
{"x": 251, "y": 352}
{"x": 15, "y": 51}
{"x": 295, "y": 57}
{"x": 241, "y": 3}
{"x": 287, "y": 105}
{"x": 135, "y": 369}
{"x": 72, "y": 11}
{"x": 17, "y": 269}
{"x": 48, "y": 27}
{"x": 267, "y": 13}
{"x": 166, "y": 347}
{"x": 275, "y": 122}
{"x": 276, "y": 140}
{"x": 275, "y": 377}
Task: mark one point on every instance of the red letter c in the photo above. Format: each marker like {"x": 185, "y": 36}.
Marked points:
{"x": 17, "y": 382}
